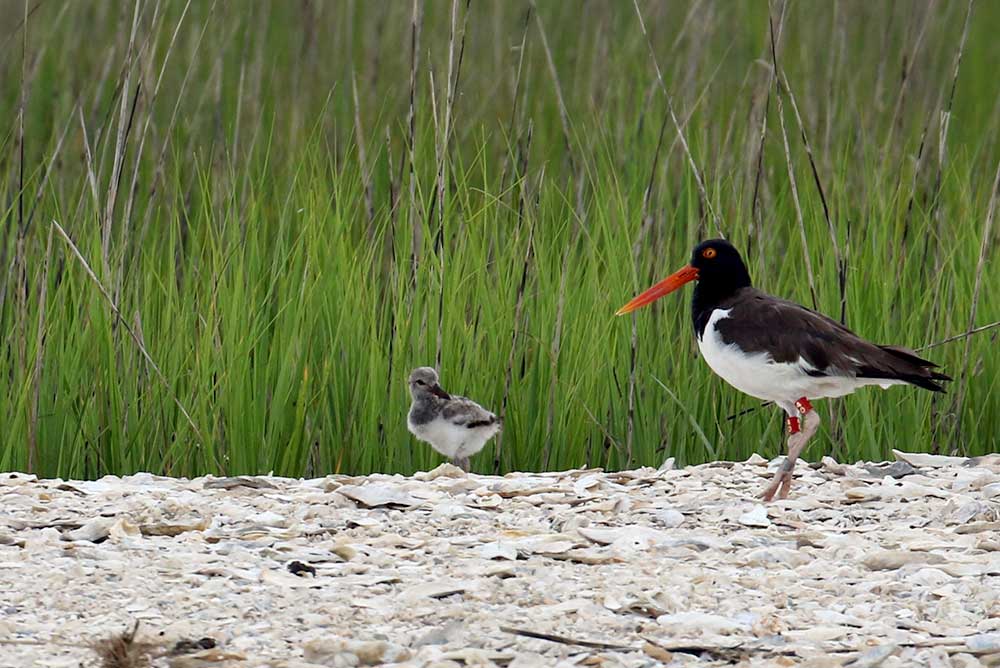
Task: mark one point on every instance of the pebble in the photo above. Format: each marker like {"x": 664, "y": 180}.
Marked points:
{"x": 983, "y": 643}
{"x": 756, "y": 517}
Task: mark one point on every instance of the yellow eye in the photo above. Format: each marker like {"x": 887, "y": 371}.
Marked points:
{"x": 708, "y": 253}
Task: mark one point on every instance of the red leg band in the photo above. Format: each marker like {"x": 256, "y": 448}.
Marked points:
{"x": 793, "y": 425}
{"x": 803, "y": 405}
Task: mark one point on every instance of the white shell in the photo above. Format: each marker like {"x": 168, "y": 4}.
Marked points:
{"x": 756, "y": 517}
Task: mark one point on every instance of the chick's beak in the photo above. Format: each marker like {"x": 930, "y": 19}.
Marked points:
{"x": 438, "y": 391}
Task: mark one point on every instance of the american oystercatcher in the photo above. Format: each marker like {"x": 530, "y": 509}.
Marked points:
{"x": 454, "y": 426}
{"x": 779, "y": 351}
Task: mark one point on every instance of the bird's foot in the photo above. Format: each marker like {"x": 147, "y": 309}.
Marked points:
{"x": 781, "y": 484}
{"x": 462, "y": 463}
{"x": 768, "y": 494}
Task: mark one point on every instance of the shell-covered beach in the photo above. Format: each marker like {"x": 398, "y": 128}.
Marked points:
{"x": 867, "y": 564}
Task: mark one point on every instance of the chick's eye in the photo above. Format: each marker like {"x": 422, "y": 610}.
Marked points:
{"x": 420, "y": 382}
{"x": 708, "y": 253}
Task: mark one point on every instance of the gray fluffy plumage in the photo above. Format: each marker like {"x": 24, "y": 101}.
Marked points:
{"x": 454, "y": 426}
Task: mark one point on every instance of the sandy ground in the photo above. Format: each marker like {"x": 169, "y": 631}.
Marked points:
{"x": 866, "y": 565}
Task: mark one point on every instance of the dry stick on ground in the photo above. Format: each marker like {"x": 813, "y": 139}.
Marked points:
{"x": 565, "y": 640}
{"x": 128, "y": 328}
{"x": 706, "y": 203}
{"x": 984, "y": 246}
{"x": 791, "y": 169}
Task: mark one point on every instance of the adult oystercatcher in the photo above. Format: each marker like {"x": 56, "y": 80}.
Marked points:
{"x": 454, "y": 426}
{"x": 776, "y": 350}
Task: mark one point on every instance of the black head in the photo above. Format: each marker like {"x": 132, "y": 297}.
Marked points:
{"x": 720, "y": 272}
{"x": 720, "y": 268}
{"x": 717, "y": 267}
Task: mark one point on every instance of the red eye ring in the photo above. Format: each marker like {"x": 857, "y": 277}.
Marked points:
{"x": 708, "y": 253}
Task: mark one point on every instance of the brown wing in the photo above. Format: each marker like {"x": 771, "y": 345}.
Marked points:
{"x": 789, "y": 332}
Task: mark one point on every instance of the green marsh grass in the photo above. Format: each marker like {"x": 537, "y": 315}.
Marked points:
{"x": 286, "y": 236}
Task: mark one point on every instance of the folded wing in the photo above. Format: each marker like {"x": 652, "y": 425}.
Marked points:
{"x": 792, "y": 333}
{"x": 467, "y": 413}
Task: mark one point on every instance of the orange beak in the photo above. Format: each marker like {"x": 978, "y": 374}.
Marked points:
{"x": 664, "y": 287}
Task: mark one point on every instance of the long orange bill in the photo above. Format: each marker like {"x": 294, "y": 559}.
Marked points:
{"x": 664, "y": 287}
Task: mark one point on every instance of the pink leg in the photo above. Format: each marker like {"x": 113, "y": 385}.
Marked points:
{"x": 800, "y": 431}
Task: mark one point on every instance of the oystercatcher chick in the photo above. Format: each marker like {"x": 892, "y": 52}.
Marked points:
{"x": 776, "y": 350}
{"x": 454, "y": 426}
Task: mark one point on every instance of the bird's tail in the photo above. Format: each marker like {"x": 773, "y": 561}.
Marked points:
{"x": 907, "y": 366}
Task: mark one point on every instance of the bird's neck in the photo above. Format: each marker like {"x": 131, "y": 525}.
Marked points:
{"x": 710, "y": 295}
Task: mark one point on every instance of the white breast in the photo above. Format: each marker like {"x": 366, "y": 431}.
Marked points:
{"x": 453, "y": 440}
